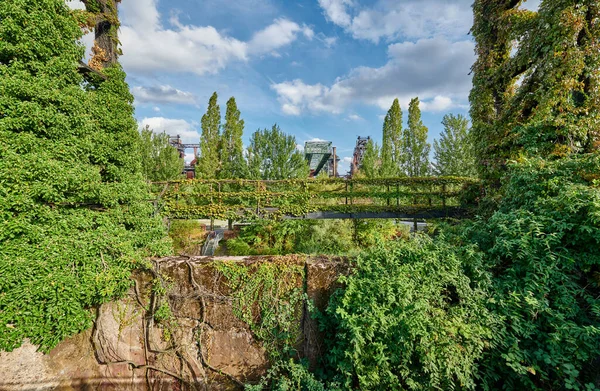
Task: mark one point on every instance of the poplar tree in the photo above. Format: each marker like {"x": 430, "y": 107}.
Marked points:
{"x": 370, "y": 165}
{"x": 233, "y": 164}
{"x": 391, "y": 148}
{"x": 208, "y": 163}
{"x": 414, "y": 139}
{"x": 273, "y": 155}
{"x": 453, "y": 153}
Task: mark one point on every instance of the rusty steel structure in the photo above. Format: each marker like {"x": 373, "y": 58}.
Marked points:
{"x": 359, "y": 151}
{"x": 177, "y": 143}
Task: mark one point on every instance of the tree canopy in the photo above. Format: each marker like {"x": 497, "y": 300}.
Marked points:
{"x": 233, "y": 164}
{"x": 272, "y": 154}
{"x": 160, "y": 160}
{"x": 414, "y": 140}
{"x": 209, "y": 164}
{"x": 392, "y": 147}
{"x": 453, "y": 153}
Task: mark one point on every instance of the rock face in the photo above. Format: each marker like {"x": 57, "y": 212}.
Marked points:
{"x": 200, "y": 345}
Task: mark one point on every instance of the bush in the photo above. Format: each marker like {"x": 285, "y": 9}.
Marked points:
{"x": 543, "y": 247}
{"x": 410, "y": 317}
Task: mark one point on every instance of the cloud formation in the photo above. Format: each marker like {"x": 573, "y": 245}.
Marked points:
{"x": 149, "y": 46}
{"x": 162, "y": 94}
{"x": 390, "y": 19}
{"x": 173, "y": 127}
{"x": 435, "y": 70}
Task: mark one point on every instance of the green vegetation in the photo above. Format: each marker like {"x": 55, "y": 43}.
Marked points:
{"x": 391, "y": 147}
{"x": 74, "y": 220}
{"x": 453, "y": 153}
{"x": 233, "y": 164}
{"x": 332, "y": 237}
{"x": 210, "y": 141}
{"x": 509, "y": 300}
{"x": 160, "y": 161}
{"x": 272, "y": 154}
{"x": 414, "y": 139}
{"x": 541, "y": 100}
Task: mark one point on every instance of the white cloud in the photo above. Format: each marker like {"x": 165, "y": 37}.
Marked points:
{"x": 148, "y": 46}
{"x": 393, "y": 19}
{"x": 162, "y": 94}
{"x": 173, "y": 127}
{"x": 435, "y": 70}
{"x": 281, "y": 33}
{"x": 355, "y": 117}
{"x": 439, "y": 103}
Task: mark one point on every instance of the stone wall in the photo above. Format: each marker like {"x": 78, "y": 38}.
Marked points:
{"x": 205, "y": 346}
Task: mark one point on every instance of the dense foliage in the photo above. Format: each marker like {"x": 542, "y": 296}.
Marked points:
{"x": 272, "y": 154}
{"x": 411, "y": 317}
{"x": 233, "y": 164}
{"x": 210, "y": 141}
{"x": 160, "y": 160}
{"x": 414, "y": 140}
{"x": 391, "y": 146}
{"x": 543, "y": 97}
{"x": 73, "y": 213}
{"x": 543, "y": 247}
{"x": 453, "y": 153}
{"x": 334, "y": 237}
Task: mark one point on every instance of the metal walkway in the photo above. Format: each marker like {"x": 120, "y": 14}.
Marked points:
{"x": 421, "y": 198}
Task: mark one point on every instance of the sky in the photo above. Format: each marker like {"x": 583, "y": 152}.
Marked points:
{"x": 320, "y": 69}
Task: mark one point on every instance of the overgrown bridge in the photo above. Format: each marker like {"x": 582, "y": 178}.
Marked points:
{"x": 332, "y": 198}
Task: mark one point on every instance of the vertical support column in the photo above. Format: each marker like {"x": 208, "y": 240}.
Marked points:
{"x": 388, "y": 195}
{"x": 444, "y": 195}
{"x": 258, "y": 198}
{"x": 346, "y": 192}
{"x": 335, "y": 162}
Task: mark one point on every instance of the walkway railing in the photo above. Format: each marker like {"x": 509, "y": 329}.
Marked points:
{"x": 315, "y": 198}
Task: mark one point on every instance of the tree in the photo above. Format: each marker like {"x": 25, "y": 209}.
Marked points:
{"x": 208, "y": 163}
{"x": 453, "y": 153}
{"x": 414, "y": 140}
{"x": 542, "y": 98}
{"x": 272, "y": 154}
{"x": 370, "y": 166}
{"x": 232, "y": 155}
{"x": 160, "y": 160}
{"x": 391, "y": 148}
{"x": 74, "y": 216}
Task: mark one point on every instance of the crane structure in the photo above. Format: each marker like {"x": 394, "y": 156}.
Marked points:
{"x": 320, "y": 156}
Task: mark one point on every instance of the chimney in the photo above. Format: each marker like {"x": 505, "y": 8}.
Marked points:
{"x": 334, "y": 162}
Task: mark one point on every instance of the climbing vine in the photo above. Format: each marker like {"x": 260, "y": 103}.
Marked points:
{"x": 233, "y": 199}
{"x": 541, "y": 99}
{"x": 268, "y": 296}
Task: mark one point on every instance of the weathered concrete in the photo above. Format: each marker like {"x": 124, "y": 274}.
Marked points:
{"x": 204, "y": 347}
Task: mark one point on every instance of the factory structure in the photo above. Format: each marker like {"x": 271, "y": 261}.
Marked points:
{"x": 321, "y": 156}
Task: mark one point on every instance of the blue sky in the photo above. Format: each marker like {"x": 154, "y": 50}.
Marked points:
{"x": 326, "y": 69}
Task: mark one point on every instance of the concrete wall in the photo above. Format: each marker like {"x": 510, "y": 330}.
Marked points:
{"x": 207, "y": 348}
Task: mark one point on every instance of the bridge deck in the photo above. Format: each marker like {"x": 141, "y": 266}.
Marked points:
{"x": 334, "y": 198}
